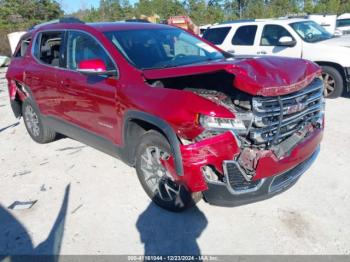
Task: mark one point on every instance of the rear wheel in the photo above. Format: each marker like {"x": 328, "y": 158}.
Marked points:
{"x": 34, "y": 125}
{"x": 333, "y": 82}
{"x": 156, "y": 180}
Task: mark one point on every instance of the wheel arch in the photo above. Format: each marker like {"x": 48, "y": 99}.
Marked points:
{"x": 137, "y": 123}
{"x": 335, "y": 65}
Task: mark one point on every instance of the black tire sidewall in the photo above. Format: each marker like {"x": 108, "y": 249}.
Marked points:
{"x": 339, "y": 82}
{"x": 153, "y": 138}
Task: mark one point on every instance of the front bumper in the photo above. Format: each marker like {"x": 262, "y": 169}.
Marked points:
{"x": 222, "y": 194}
{"x": 347, "y": 77}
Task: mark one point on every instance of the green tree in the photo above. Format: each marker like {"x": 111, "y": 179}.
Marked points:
{"x": 308, "y": 6}
{"x": 14, "y": 13}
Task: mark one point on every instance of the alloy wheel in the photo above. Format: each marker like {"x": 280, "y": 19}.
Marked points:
{"x": 329, "y": 84}
{"x": 32, "y": 120}
{"x": 157, "y": 178}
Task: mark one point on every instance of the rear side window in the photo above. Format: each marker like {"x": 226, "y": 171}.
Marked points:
{"x": 23, "y": 47}
{"x": 343, "y": 22}
{"x": 245, "y": 35}
{"x": 81, "y": 46}
{"x": 216, "y": 35}
{"x": 48, "y": 47}
{"x": 272, "y": 34}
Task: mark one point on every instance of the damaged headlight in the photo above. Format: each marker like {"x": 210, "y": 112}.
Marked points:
{"x": 240, "y": 124}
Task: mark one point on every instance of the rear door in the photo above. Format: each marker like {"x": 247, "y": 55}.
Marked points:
{"x": 89, "y": 102}
{"x": 217, "y": 36}
{"x": 243, "y": 41}
{"x": 269, "y": 42}
{"x": 40, "y": 73}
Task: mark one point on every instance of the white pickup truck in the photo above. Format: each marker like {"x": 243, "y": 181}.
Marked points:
{"x": 300, "y": 38}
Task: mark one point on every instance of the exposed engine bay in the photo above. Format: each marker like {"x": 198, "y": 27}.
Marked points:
{"x": 271, "y": 124}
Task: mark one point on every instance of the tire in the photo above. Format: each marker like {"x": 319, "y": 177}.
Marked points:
{"x": 154, "y": 178}
{"x": 333, "y": 80}
{"x": 34, "y": 124}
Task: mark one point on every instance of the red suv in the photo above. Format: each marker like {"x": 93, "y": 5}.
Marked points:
{"x": 193, "y": 120}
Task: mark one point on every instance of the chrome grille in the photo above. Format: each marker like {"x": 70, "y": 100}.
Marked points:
{"x": 298, "y": 109}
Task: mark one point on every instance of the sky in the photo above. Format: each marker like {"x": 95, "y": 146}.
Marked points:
{"x": 70, "y": 6}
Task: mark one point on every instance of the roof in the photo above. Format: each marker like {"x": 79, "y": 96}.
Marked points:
{"x": 261, "y": 21}
{"x": 111, "y": 26}
{"x": 100, "y": 26}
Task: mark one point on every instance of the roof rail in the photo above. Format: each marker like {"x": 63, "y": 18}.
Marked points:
{"x": 136, "y": 20}
{"x": 68, "y": 20}
{"x": 237, "y": 21}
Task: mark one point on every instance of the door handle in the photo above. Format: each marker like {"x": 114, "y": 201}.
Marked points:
{"x": 231, "y": 51}
{"x": 261, "y": 53}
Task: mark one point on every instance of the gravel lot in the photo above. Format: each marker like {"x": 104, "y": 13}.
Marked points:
{"x": 91, "y": 203}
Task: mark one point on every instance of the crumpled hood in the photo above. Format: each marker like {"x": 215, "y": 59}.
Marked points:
{"x": 265, "y": 76}
{"x": 338, "y": 41}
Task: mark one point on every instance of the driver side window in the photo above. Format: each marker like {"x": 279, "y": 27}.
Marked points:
{"x": 81, "y": 46}
{"x": 272, "y": 34}
{"x": 182, "y": 47}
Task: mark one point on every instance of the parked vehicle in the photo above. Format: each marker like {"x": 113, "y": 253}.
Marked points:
{"x": 343, "y": 24}
{"x": 191, "y": 119}
{"x": 183, "y": 22}
{"x": 299, "y": 38}
{"x": 327, "y": 21}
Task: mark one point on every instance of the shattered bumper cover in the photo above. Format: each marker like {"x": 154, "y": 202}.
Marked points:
{"x": 273, "y": 175}
{"x": 222, "y": 194}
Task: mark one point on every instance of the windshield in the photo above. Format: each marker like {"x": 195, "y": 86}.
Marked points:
{"x": 310, "y": 31}
{"x": 160, "y": 48}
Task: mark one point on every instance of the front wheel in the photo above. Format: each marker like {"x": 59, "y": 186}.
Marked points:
{"x": 333, "y": 82}
{"x": 158, "y": 183}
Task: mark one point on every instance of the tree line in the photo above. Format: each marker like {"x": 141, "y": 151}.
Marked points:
{"x": 23, "y": 13}
{"x": 210, "y": 11}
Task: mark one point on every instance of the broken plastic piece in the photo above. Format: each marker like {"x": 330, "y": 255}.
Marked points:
{"x": 19, "y": 205}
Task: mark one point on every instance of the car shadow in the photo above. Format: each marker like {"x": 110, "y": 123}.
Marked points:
{"x": 167, "y": 233}
{"x": 15, "y": 241}
{"x": 10, "y": 126}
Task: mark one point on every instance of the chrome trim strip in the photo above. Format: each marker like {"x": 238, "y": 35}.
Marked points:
{"x": 238, "y": 192}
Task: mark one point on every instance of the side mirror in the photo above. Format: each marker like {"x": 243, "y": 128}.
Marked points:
{"x": 287, "y": 41}
{"x": 94, "y": 67}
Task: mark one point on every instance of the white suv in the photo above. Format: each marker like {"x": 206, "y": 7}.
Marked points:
{"x": 299, "y": 38}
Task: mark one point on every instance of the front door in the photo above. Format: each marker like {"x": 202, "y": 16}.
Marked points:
{"x": 269, "y": 42}
{"x": 88, "y": 101}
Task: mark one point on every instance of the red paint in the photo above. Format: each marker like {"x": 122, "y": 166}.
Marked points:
{"x": 93, "y": 65}
{"x": 259, "y": 76}
{"x": 99, "y": 103}
{"x": 270, "y": 165}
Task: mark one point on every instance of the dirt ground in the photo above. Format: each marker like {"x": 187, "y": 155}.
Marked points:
{"x": 90, "y": 203}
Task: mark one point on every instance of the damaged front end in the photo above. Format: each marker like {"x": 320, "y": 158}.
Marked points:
{"x": 262, "y": 150}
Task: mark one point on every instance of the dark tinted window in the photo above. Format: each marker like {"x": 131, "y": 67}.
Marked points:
{"x": 23, "y": 47}
{"x": 343, "y": 22}
{"x": 216, "y": 35}
{"x": 162, "y": 47}
{"x": 48, "y": 48}
{"x": 81, "y": 46}
{"x": 272, "y": 34}
{"x": 245, "y": 35}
